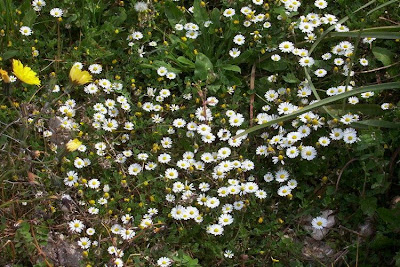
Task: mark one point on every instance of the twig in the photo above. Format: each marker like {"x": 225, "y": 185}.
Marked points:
{"x": 341, "y": 172}
{"x": 381, "y": 68}
{"x": 394, "y": 22}
{"x": 340, "y": 256}
{"x": 358, "y": 247}
{"x": 392, "y": 163}
{"x": 23, "y": 200}
{"x": 39, "y": 249}
{"x": 12, "y": 248}
{"x": 349, "y": 230}
{"x": 8, "y": 125}
{"x": 252, "y": 80}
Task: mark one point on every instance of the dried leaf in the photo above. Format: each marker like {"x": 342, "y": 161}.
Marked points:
{"x": 32, "y": 178}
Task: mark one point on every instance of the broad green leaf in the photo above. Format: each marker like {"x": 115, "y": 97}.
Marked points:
{"x": 290, "y": 78}
{"x": 199, "y": 13}
{"x": 231, "y": 67}
{"x": 203, "y": 67}
{"x": 29, "y": 18}
{"x": 390, "y": 216}
{"x": 213, "y": 88}
{"x": 368, "y": 205}
{"x": 185, "y": 61}
{"x": 383, "y": 55}
{"x": 173, "y": 14}
{"x": 9, "y": 54}
{"x": 323, "y": 102}
{"x": 273, "y": 66}
{"x": 215, "y": 17}
{"x": 120, "y": 18}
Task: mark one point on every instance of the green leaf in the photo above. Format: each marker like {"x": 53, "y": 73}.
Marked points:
{"x": 173, "y": 13}
{"x": 199, "y": 13}
{"x": 371, "y": 34}
{"x": 379, "y": 123}
{"x": 120, "y": 18}
{"x": 29, "y": 18}
{"x": 273, "y": 66}
{"x": 381, "y": 6}
{"x": 368, "y": 205}
{"x": 9, "y": 54}
{"x": 390, "y": 216}
{"x": 290, "y": 78}
{"x": 383, "y": 55}
{"x": 185, "y": 61}
{"x": 324, "y": 102}
{"x": 366, "y": 109}
{"x": 231, "y": 67}
{"x": 213, "y": 88}
{"x": 203, "y": 67}
{"x": 215, "y": 17}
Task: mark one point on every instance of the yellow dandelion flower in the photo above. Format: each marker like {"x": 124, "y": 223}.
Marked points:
{"x": 73, "y": 145}
{"x": 25, "y": 74}
{"x": 79, "y": 77}
{"x": 4, "y": 76}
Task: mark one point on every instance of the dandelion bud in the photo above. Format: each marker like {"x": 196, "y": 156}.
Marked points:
{"x": 4, "y": 76}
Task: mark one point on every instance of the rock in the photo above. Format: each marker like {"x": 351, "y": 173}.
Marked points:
{"x": 62, "y": 253}
{"x": 316, "y": 233}
{"x": 317, "y": 249}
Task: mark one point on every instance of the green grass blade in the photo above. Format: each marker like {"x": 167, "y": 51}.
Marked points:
{"x": 374, "y": 34}
{"x": 314, "y": 90}
{"x": 381, "y": 6}
{"x": 323, "y": 102}
{"x": 378, "y": 123}
{"x": 331, "y": 28}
